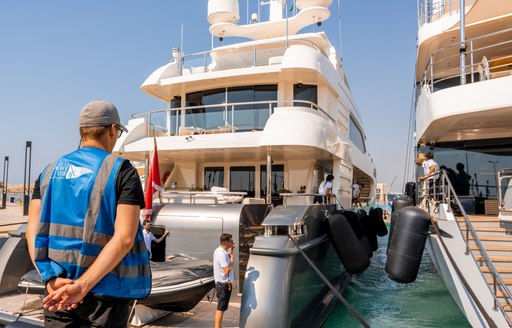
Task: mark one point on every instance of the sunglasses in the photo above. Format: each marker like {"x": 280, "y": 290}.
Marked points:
{"x": 119, "y": 131}
{"x": 118, "y": 128}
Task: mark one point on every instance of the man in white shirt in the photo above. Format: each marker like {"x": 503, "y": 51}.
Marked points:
{"x": 223, "y": 275}
{"x": 149, "y": 237}
{"x": 355, "y": 194}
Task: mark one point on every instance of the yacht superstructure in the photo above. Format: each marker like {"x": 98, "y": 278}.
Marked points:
{"x": 283, "y": 96}
{"x": 463, "y": 115}
{"x": 249, "y": 131}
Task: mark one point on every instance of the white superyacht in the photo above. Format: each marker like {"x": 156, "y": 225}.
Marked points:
{"x": 248, "y": 132}
{"x": 463, "y": 114}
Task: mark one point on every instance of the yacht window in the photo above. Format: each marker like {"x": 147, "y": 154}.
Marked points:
{"x": 252, "y": 116}
{"x": 277, "y": 183}
{"x": 247, "y": 117}
{"x": 206, "y": 118}
{"x": 213, "y": 176}
{"x": 241, "y": 178}
{"x": 356, "y": 135}
{"x": 305, "y": 92}
{"x": 480, "y": 161}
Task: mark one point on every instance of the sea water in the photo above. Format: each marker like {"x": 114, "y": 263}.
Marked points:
{"x": 385, "y": 303}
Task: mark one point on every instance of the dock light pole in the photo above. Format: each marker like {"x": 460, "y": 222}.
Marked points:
{"x": 5, "y": 178}
{"x": 26, "y": 182}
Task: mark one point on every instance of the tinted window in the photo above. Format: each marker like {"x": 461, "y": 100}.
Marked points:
{"x": 213, "y": 176}
{"x": 242, "y": 179}
{"x": 357, "y": 136}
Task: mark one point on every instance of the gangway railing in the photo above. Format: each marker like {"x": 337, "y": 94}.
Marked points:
{"x": 442, "y": 191}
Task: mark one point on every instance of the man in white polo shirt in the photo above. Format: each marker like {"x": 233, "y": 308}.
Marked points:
{"x": 223, "y": 275}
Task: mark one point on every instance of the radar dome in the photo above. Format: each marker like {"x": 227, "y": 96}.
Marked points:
{"x": 223, "y": 11}
{"x": 302, "y": 4}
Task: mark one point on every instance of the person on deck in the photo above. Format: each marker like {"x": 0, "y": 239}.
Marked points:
{"x": 356, "y": 190}
{"x": 325, "y": 189}
{"x": 430, "y": 170}
{"x": 463, "y": 180}
{"x": 149, "y": 237}
{"x": 83, "y": 232}
{"x": 223, "y": 261}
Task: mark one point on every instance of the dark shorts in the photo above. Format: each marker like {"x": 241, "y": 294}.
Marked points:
{"x": 223, "y": 294}
{"x": 95, "y": 311}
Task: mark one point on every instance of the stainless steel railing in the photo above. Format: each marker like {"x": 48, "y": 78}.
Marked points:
{"x": 218, "y": 117}
{"x": 253, "y": 54}
{"x": 479, "y": 65}
{"x": 432, "y": 10}
{"x": 444, "y": 192}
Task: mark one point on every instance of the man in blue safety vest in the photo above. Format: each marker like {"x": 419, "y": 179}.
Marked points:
{"x": 83, "y": 232}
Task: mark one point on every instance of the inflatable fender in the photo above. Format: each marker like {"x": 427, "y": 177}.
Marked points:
{"x": 401, "y": 202}
{"x": 355, "y": 224}
{"x": 410, "y": 190}
{"x": 378, "y": 221}
{"x": 350, "y": 251}
{"x": 369, "y": 227}
{"x": 406, "y": 244}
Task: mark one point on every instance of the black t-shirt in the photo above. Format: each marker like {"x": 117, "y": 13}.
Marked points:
{"x": 127, "y": 185}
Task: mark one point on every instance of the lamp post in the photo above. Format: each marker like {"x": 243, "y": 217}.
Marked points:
{"x": 5, "y": 178}
{"x": 26, "y": 182}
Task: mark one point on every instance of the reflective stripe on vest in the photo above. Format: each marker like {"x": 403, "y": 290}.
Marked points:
{"x": 131, "y": 278}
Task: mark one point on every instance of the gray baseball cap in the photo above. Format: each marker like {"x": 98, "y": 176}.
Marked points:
{"x": 100, "y": 113}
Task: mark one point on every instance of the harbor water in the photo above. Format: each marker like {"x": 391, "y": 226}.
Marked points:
{"x": 385, "y": 303}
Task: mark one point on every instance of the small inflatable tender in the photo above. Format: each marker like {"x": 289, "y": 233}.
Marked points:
{"x": 406, "y": 244}
{"x": 347, "y": 246}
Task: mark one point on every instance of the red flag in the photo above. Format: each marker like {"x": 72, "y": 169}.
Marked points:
{"x": 153, "y": 184}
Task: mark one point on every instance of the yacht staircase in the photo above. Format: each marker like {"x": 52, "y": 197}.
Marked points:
{"x": 498, "y": 245}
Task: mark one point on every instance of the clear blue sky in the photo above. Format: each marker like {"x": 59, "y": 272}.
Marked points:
{"x": 55, "y": 56}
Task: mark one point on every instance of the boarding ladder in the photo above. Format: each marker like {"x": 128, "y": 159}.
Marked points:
{"x": 487, "y": 242}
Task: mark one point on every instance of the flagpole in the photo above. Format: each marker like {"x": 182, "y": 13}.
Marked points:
{"x": 158, "y": 177}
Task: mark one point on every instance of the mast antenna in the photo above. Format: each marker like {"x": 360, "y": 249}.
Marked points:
{"x": 339, "y": 31}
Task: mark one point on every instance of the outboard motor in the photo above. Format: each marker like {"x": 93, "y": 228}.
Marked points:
{"x": 406, "y": 244}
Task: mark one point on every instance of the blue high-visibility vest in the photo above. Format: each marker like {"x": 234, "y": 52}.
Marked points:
{"x": 77, "y": 220}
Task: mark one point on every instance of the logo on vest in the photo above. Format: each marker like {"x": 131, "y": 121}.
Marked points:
{"x": 76, "y": 171}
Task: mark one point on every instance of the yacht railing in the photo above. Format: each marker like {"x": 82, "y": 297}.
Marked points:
{"x": 243, "y": 56}
{"x": 479, "y": 68}
{"x": 219, "y": 118}
{"x": 196, "y": 197}
{"x": 504, "y": 177}
{"x": 443, "y": 192}
{"x": 432, "y": 10}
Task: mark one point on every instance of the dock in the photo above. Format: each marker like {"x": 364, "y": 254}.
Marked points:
{"x": 31, "y": 306}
